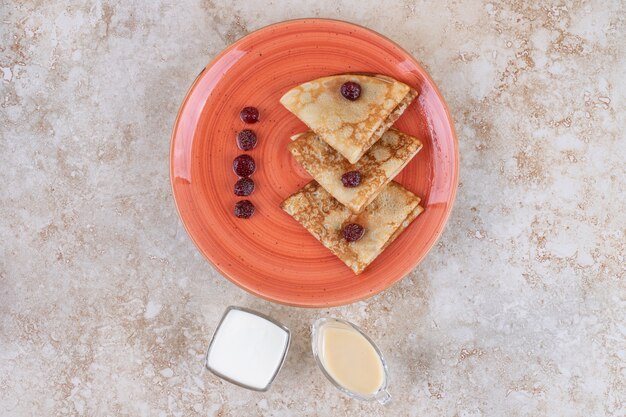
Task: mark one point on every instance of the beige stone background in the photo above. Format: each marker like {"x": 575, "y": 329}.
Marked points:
{"x": 106, "y": 307}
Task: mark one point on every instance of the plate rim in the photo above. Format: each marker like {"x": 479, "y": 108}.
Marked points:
{"x": 347, "y": 300}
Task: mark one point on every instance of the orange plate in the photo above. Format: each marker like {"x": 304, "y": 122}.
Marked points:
{"x": 270, "y": 254}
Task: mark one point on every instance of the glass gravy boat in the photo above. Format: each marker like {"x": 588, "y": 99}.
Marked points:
{"x": 317, "y": 339}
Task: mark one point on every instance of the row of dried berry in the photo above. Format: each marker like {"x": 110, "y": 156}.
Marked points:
{"x": 244, "y": 165}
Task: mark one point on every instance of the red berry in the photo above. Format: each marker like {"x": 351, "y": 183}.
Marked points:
{"x": 351, "y": 179}
{"x": 249, "y": 115}
{"x": 244, "y": 209}
{"x": 244, "y": 187}
{"x": 353, "y": 232}
{"x": 351, "y": 90}
{"x": 246, "y": 139}
{"x": 244, "y": 165}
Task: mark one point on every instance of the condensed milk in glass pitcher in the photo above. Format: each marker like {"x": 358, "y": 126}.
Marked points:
{"x": 350, "y": 360}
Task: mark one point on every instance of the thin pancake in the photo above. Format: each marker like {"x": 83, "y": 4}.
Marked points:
{"x": 380, "y": 164}
{"x": 384, "y": 219}
{"x": 350, "y": 127}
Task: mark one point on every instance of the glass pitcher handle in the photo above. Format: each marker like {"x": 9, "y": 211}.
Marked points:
{"x": 383, "y": 397}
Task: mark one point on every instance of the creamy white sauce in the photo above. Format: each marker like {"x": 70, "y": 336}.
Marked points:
{"x": 247, "y": 349}
{"x": 350, "y": 359}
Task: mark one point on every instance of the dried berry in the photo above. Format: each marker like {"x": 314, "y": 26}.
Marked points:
{"x": 246, "y": 139}
{"x": 351, "y": 179}
{"x": 244, "y": 165}
{"x": 351, "y": 90}
{"x": 244, "y": 209}
{"x": 244, "y": 187}
{"x": 249, "y": 115}
{"x": 353, "y": 232}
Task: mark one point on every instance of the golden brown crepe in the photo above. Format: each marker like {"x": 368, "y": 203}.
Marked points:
{"x": 350, "y": 127}
{"x": 383, "y": 220}
{"x": 380, "y": 164}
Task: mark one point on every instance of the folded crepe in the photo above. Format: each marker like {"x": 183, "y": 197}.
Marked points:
{"x": 380, "y": 164}
{"x": 383, "y": 220}
{"x": 350, "y": 127}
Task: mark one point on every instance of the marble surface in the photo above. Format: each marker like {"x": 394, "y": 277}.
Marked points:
{"x": 106, "y": 307}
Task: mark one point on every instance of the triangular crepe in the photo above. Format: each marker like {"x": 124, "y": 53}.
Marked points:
{"x": 350, "y": 127}
{"x": 383, "y": 220}
{"x": 380, "y": 164}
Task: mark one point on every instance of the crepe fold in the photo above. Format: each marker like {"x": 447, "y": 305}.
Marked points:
{"x": 350, "y": 127}
{"x": 384, "y": 219}
{"x": 380, "y": 164}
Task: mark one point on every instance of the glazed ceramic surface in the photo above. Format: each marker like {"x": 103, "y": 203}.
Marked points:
{"x": 270, "y": 254}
